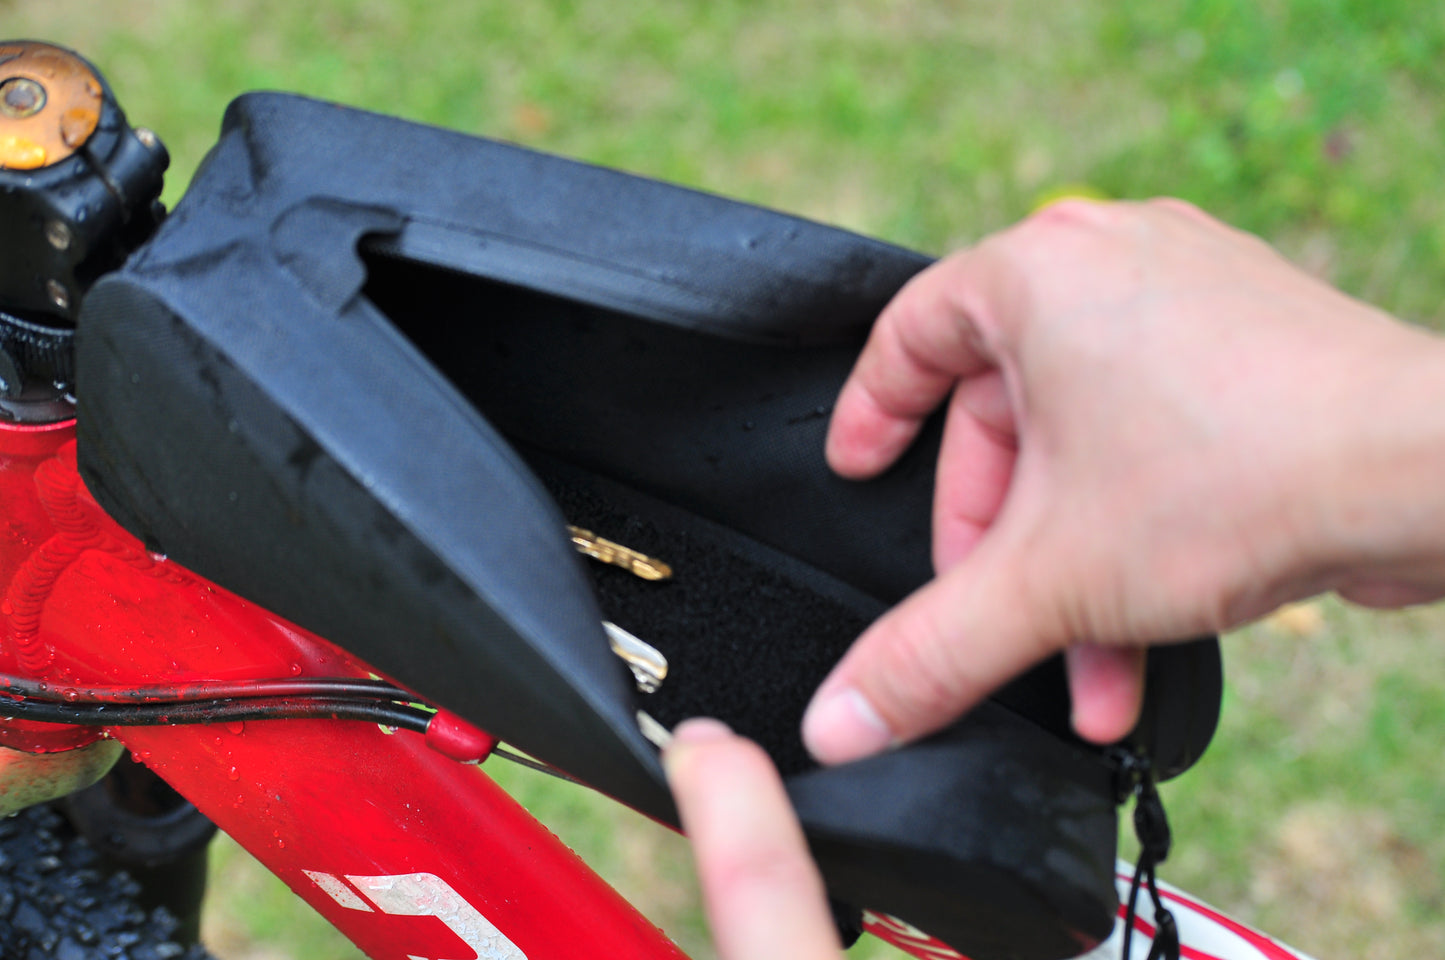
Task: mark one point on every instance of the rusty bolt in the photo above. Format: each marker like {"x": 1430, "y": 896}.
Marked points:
{"x": 21, "y": 97}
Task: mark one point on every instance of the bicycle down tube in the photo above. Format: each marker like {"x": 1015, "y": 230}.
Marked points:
{"x": 407, "y": 851}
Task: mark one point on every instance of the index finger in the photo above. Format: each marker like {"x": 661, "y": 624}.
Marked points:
{"x": 764, "y": 897}
{"x": 930, "y": 336}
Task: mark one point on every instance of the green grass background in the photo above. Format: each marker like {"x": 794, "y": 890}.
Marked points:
{"x": 1320, "y": 812}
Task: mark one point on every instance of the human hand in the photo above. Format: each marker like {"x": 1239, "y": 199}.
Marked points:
{"x": 763, "y": 893}
{"x": 1157, "y": 428}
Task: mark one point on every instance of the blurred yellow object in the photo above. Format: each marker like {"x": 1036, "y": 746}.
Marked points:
{"x": 20, "y": 153}
{"x": 1068, "y": 191}
{"x": 1297, "y": 619}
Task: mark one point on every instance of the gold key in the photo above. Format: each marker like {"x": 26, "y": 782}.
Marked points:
{"x": 600, "y": 548}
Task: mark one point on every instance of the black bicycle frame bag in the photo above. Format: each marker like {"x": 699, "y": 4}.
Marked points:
{"x": 369, "y": 371}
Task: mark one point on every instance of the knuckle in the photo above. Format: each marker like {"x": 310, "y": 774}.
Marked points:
{"x": 1075, "y": 212}
{"x": 1175, "y": 203}
{"x": 1071, "y": 229}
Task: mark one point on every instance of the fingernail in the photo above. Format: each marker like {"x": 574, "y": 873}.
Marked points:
{"x": 690, "y": 734}
{"x": 701, "y": 730}
{"x": 844, "y": 726}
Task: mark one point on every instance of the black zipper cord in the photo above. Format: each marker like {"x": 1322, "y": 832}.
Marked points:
{"x": 1151, "y": 827}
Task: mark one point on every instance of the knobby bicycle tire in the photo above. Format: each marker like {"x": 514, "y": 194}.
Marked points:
{"x": 59, "y": 902}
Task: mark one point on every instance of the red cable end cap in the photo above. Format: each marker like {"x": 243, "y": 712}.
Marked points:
{"x": 453, "y": 737}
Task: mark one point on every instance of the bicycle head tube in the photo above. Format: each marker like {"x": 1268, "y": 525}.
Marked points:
{"x": 79, "y": 191}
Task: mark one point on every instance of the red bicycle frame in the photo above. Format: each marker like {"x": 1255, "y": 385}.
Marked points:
{"x": 406, "y": 850}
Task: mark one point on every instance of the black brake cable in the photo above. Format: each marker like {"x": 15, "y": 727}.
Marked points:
{"x": 402, "y": 716}
{"x": 214, "y": 701}
{"x": 193, "y": 691}
{"x": 228, "y": 701}
{"x": 522, "y": 760}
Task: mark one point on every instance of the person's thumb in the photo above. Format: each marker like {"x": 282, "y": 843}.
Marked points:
{"x": 931, "y": 658}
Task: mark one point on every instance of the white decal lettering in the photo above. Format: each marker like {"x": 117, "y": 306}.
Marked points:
{"x": 339, "y": 891}
{"x": 907, "y": 937}
{"x": 422, "y": 895}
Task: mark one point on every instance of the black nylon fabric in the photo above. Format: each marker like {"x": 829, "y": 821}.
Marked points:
{"x": 363, "y": 364}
